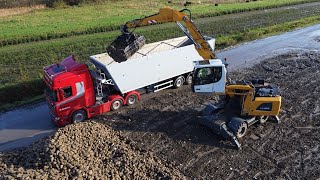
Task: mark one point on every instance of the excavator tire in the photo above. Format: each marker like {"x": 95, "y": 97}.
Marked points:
{"x": 124, "y": 46}
{"x": 238, "y": 126}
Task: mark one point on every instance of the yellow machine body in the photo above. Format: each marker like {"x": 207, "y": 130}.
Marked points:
{"x": 251, "y": 105}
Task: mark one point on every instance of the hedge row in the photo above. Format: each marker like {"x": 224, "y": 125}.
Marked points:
{"x": 22, "y": 91}
{"x": 99, "y": 29}
{"x": 49, "y": 36}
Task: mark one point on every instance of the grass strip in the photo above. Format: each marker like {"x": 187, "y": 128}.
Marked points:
{"x": 224, "y": 41}
{"x": 52, "y": 24}
{"x": 16, "y": 104}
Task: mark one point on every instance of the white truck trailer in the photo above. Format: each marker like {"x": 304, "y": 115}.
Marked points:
{"x": 155, "y": 66}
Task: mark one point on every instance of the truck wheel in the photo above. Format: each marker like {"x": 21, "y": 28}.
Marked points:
{"x": 238, "y": 126}
{"x": 178, "y": 82}
{"x": 116, "y": 104}
{"x": 132, "y": 99}
{"x": 189, "y": 79}
{"x": 78, "y": 116}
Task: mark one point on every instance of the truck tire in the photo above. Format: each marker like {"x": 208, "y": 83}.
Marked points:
{"x": 79, "y": 116}
{"x": 238, "y": 126}
{"x": 132, "y": 99}
{"x": 116, "y": 104}
{"x": 189, "y": 79}
{"x": 178, "y": 82}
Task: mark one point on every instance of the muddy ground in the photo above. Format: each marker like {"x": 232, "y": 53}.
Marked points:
{"x": 167, "y": 124}
{"x": 164, "y": 125}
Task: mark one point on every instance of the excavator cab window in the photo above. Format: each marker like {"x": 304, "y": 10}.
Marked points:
{"x": 207, "y": 75}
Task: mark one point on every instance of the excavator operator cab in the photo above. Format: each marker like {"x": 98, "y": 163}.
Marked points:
{"x": 209, "y": 77}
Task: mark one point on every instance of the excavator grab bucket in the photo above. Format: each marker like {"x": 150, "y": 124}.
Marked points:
{"x": 124, "y": 46}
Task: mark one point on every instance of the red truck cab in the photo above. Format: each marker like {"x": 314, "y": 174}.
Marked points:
{"x": 70, "y": 93}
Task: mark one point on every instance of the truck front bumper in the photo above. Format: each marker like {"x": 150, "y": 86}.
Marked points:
{"x": 60, "y": 122}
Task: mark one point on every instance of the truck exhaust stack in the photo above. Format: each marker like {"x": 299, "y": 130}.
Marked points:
{"x": 124, "y": 46}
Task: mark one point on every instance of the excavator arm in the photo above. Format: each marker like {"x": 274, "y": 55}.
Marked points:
{"x": 164, "y": 15}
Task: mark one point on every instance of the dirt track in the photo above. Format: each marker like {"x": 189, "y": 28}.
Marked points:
{"x": 166, "y": 124}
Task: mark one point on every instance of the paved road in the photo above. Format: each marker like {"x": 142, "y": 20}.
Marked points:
{"x": 252, "y": 53}
{"x": 25, "y": 125}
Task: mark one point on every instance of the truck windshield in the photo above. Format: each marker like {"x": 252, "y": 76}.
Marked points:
{"x": 51, "y": 94}
{"x": 58, "y": 68}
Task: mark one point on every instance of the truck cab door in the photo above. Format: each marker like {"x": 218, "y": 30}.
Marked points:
{"x": 209, "y": 79}
{"x": 61, "y": 94}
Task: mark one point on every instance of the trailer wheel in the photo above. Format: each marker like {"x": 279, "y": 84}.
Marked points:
{"x": 189, "y": 79}
{"x": 78, "y": 116}
{"x": 178, "y": 82}
{"x": 132, "y": 99}
{"x": 116, "y": 104}
{"x": 238, "y": 126}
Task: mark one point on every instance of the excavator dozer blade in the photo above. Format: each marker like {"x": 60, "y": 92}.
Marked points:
{"x": 215, "y": 118}
{"x": 124, "y": 46}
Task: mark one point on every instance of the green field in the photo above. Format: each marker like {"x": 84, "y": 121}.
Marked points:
{"x": 25, "y": 61}
{"x": 21, "y": 64}
{"x": 57, "y": 23}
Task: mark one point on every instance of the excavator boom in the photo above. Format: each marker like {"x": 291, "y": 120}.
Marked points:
{"x": 128, "y": 43}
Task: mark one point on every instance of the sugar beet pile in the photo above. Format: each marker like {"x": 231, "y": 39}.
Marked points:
{"x": 85, "y": 150}
{"x": 160, "y": 137}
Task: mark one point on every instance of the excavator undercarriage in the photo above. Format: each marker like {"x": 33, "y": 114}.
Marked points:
{"x": 225, "y": 117}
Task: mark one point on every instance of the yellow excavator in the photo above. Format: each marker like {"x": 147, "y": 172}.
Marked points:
{"x": 241, "y": 104}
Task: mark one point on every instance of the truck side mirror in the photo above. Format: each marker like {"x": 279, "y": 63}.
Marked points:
{"x": 61, "y": 94}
